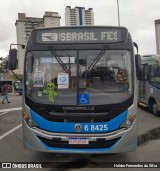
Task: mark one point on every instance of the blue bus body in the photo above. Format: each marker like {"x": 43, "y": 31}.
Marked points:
{"x": 80, "y": 91}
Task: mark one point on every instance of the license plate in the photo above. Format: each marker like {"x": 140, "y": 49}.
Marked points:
{"x": 78, "y": 140}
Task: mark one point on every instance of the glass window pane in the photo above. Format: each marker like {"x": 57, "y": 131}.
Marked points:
{"x": 104, "y": 78}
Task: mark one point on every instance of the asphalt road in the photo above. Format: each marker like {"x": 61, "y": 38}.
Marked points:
{"x": 11, "y": 146}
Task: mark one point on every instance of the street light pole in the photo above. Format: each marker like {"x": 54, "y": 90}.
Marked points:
{"x": 118, "y": 12}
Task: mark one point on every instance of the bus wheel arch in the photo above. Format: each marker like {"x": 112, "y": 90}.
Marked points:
{"x": 153, "y": 107}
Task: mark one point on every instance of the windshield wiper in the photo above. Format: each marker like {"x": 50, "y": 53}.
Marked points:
{"x": 60, "y": 61}
{"x": 97, "y": 58}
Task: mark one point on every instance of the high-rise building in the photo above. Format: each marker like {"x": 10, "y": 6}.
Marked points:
{"x": 157, "y": 30}
{"x": 79, "y": 16}
{"x": 24, "y": 26}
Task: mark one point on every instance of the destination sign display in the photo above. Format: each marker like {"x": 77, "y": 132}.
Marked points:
{"x": 79, "y": 35}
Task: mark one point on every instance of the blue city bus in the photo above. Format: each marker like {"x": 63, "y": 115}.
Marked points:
{"x": 18, "y": 87}
{"x": 80, "y": 90}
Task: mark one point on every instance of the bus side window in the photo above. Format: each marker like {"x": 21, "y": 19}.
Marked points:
{"x": 145, "y": 72}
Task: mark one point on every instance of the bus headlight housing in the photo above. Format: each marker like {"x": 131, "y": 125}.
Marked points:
{"x": 129, "y": 121}
{"x": 29, "y": 121}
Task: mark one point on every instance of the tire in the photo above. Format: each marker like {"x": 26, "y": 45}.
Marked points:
{"x": 154, "y": 108}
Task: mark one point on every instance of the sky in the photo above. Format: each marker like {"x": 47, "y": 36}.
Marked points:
{"x": 137, "y": 16}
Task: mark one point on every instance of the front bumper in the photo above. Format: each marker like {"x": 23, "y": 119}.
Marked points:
{"x": 121, "y": 140}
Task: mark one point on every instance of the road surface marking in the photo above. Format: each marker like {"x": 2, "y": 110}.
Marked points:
{"x": 3, "y": 113}
{"x": 11, "y": 109}
{"x": 9, "y": 132}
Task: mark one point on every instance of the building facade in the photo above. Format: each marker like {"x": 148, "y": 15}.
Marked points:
{"x": 157, "y": 31}
{"x": 78, "y": 16}
{"x": 24, "y": 26}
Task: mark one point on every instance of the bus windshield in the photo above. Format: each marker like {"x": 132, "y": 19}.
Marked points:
{"x": 98, "y": 77}
{"x": 18, "y": 85}
{"x": 155, "y": 73}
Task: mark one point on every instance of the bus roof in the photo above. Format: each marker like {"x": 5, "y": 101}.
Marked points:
{"x": 77, "y": 35}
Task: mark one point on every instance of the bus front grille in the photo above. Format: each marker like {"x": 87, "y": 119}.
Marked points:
{"x": 99, "y": 143}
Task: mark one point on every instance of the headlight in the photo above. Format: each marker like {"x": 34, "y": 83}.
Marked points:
{"x": 129, "y": 121}
{"x": 29, "y": 121}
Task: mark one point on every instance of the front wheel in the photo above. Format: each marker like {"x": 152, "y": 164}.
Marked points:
{"x": 154, "y": 108}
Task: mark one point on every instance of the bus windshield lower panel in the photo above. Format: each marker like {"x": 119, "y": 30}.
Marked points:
{"x": 79, "y": 77}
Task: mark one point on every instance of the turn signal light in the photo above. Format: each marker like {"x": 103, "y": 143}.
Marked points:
{"x": 26, "y": 117}
{"x": 29, "y": 121}
{"x": 129, "y": 121}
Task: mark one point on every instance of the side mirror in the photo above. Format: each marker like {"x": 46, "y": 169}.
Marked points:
{"x": 12, "y": 59}
{"x": 138, "y": 66}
